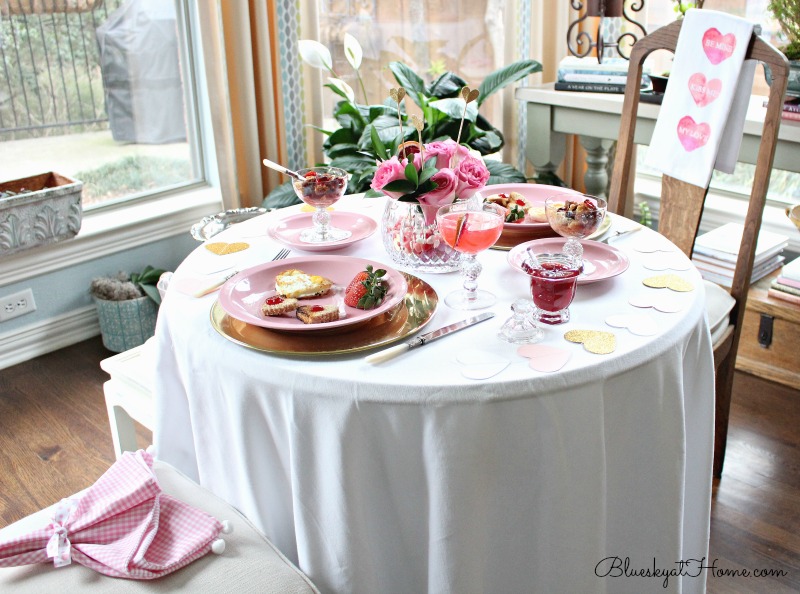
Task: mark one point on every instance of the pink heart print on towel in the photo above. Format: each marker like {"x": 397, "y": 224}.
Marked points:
{"x": 718, "y": 47}
{"x": 704, "y": 91}
{"x": 691, "y": 134}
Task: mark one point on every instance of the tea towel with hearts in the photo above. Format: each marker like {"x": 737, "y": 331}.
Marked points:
{"x": 699, "y": 127}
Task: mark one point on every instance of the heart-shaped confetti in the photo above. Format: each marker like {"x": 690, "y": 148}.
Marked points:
{"x": 594, "y": 341}
{"x": 222, "y": 248}
{"x": 664, "y": 302}
{"x": 479, "y": 365}
{"x": 666, "y": 261}
{"x": 668, "y": 281}
{"x": 546, "y": 359}
{"x": 653, "y": 243}
{"x": 638, "y": 324}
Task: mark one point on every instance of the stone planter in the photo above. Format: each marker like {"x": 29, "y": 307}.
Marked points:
{"x": 126, "y": 324}
{"x": 49, "y": 210}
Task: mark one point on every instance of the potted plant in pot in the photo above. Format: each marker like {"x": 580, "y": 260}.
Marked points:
{"x": 127, "y": 306}
{"x": 787, "y": 13}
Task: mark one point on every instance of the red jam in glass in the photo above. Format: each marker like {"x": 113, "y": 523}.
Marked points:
{"x": 274, "y": 300}
{"x": 553, "y": 286}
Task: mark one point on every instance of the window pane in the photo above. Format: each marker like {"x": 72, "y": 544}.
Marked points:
{"x": 99, "y": 95}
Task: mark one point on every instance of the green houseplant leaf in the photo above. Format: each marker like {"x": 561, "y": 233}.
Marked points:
{"x": 505, "y": 76}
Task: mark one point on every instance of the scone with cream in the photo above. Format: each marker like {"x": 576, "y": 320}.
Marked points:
{"x": 300, "y": 285}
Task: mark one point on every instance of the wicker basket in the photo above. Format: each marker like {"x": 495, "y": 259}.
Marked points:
{"x": 18, "y": 7}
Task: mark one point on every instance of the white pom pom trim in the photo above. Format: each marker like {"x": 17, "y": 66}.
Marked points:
{"x": 227, "y": 528}
{"x": 218, "y": 546}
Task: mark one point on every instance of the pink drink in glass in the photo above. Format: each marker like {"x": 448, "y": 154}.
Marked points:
{"x": 478, "y": 232}
{"x": 554, "y": 279}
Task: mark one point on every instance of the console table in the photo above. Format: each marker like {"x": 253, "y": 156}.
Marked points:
{"x": 594, "y": 118}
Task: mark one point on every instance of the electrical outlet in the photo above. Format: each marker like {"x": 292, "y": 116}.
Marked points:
{"x": 18, "y": 304}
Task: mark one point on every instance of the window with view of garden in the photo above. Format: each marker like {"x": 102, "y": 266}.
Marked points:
{"x": 99, "y": 92}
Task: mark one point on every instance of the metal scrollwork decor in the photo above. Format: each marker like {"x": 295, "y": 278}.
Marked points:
{"x": 580, "y": 40}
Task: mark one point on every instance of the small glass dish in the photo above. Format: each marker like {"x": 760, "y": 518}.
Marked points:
{"x": 521, "y": 328}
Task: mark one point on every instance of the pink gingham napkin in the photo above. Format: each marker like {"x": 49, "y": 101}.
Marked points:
{"x": 122, "y": 526}
{"x": 699, "y": 126}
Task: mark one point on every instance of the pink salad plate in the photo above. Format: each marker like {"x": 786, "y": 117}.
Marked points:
{"x": 243, "y": 295}
{"x": 287, "y": 230}
{"x": 608, "y": 260}
{"x": 516, "y": 233}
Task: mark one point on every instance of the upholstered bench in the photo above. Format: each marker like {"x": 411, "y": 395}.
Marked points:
{"x": 250, "y": 562}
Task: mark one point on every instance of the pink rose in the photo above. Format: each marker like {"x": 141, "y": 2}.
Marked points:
{"x": 472, "y": 175}
{"x": 387, "y": 172}
{"x": 445, "y": 193}
{"x": 448, "y": 153}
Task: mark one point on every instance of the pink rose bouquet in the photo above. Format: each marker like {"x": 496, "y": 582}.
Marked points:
{"x": 441, "y": 172}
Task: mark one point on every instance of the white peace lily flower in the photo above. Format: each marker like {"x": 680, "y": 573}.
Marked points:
{"x": 344, "y": 88}
{"x": 315, "y": 54}
{"x": 352, "y": 51}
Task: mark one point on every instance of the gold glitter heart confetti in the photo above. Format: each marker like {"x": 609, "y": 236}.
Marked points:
{"x": 668, "y": 281}
{"x": 221, "y": 248}
{"x": 594, "y": 341}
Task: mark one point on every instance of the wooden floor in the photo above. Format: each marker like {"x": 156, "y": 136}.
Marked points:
{"x": 55, "y": 440}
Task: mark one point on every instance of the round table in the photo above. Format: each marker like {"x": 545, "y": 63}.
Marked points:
{"x": 409, "y": 477}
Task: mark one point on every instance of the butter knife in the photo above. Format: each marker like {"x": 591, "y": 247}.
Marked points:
{"x": 394, "y": 351}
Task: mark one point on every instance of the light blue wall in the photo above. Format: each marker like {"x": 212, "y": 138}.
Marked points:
{"x": 60, "y": 292}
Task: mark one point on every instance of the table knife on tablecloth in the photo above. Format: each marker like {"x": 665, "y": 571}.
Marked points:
{"x": 391, "y": 352}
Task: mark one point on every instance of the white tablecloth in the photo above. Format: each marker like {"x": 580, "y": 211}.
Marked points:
{"x": 408, "y": 477}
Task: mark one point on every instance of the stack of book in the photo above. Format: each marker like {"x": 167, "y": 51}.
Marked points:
{"x": 791, "y": 107}
{"x": 587, "y": 75}
{"x": 786, "y": 285}
{"x": 715, "y": 253}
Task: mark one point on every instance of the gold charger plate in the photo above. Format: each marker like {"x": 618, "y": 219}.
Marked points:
{"x": 411, "y": 314}
{"x": 510, "y": 238}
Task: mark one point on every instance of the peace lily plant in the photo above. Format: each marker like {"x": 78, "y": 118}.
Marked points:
{"x": 367, "y": 131}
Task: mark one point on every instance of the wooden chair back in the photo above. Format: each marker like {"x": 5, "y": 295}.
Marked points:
{"x": 681, "y": 206}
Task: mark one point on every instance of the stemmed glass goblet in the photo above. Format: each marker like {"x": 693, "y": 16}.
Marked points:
{"x": 575, "y": 216}
{"x": 470, "y": 227}
{"x": 321, "y": 187}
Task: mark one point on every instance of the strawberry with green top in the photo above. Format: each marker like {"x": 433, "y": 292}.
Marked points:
{"x": 366, "y": 290}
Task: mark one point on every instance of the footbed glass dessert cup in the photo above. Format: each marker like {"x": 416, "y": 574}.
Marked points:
{"x": 470, "y": 227}
{"x": 321, "y": 187}
{"x": 554, "y": 279}
{"x": 575, "y": 216}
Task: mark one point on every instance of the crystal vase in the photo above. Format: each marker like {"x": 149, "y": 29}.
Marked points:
{"x": 413, "y": 240}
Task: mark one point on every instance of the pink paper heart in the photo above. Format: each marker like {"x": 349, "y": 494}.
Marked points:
{"x": 544, "y": 358}
{"x": 704, "y": 91}
{"x": 691, "y": 134}
{"x": 718, "y": 47}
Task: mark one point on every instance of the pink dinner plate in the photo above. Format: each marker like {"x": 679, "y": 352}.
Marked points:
{"x": 243, "y": 295}
{"x": 287, "y": 230}
{"x": 516, "y": 233}
{"x": 608, "y": 260}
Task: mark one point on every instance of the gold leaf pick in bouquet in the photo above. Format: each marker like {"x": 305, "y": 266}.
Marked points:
{"x": 419, "y": 124}
{"x": 397, "y": 96}
{"x": 468, "y": 95}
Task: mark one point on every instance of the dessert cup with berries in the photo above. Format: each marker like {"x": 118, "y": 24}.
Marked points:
{"x": 321, "y": 187}
{"x": 575, "y": 217}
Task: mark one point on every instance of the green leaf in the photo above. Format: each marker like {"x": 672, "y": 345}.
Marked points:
{"x": 152, "y": 292}
{"x": 505, "y": 76}
{"x": 281, "y": 196}
{"x": 336, "y": 90}
{"x": 370, "y": 193}
{"x": 377, "y": 143}
{"x": 447, "y": 85}
{"x": 400, "y": 185}
{"x": 454, "y": 108}
{"x": 426, "y": 174}
{"x": 409, "y": 80}
{"x": 487, "y": 143}
{"x": 503, "y": 173}
{"x": 341, "y": 149}
{"x": 411, "y": 173}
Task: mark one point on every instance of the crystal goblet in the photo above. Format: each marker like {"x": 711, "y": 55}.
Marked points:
{"x": 321, "y": 187}
{"x": 554, "y": 279}
{"x": 575, "y": 216}
{"x": 470, "y": 227}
